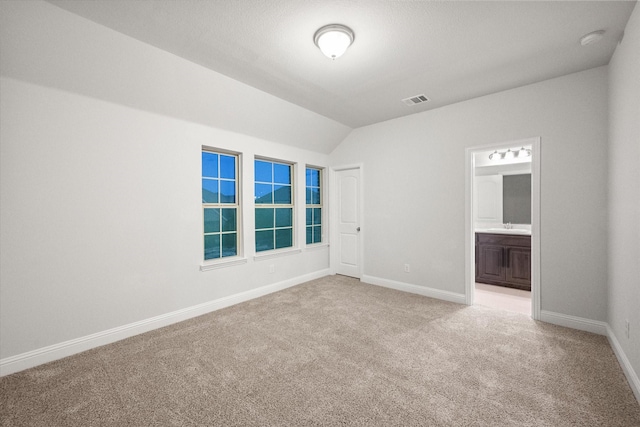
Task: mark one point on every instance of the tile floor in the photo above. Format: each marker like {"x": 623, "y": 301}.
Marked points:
{"x": 503, "y": 298}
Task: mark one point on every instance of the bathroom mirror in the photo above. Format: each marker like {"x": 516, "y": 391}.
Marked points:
{"x": 516, "y": 199}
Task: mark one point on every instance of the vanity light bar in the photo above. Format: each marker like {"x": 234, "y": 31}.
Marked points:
{"x": 518, "y": 152}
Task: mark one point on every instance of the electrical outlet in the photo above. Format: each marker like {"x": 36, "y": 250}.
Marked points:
{"x": 626, "y": 328}
{"x": 272, "y": 268}
{"x": 407, "y": 268}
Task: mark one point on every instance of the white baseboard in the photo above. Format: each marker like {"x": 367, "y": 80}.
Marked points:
{"x": 10, "y": 365}
{"x": 600, "y": 328}
{"x": 579, "y": 323}
{"x": 415, "y": 289}
{"x": 629, "y": 372}
{"x": 50, "y": 353}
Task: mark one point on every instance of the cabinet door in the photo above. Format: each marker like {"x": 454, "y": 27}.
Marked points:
{"x": 490, "y": 263}
{"x": 518, "y": 271}
{"x": 487, "y": 199}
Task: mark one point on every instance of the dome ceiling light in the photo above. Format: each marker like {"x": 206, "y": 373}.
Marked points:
{"x": 593, "y": 37}
{"x": 333, "y": 40}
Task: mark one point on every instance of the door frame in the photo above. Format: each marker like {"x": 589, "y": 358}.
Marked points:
{"x": 535, "y": 219}
{"x": 333, "y": 221}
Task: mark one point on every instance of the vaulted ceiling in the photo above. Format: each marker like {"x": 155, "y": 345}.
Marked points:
{"x": 449, "y": 51}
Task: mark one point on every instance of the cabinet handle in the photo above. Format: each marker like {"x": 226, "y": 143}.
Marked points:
{"x": 506, "y": 257}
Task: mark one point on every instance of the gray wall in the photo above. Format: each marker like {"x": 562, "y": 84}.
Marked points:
{"x": 624, "y": 193}
{"x": 100, "y": 208}
{"x": 418, "y": 164}
{"x": 67, "y": 274}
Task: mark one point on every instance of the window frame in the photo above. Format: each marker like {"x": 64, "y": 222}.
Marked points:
{"x": 291, "y": 206}
{"x": 237, "y": 205}
{"x": 319, "y": 205}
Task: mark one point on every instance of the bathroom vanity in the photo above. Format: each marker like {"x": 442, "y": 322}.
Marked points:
{"x": 503, "y": 259}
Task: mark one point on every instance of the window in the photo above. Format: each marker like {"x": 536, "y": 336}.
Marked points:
{"x": 314, "y": 205}
{"x": 274, "y": 205}
{"x": 220, "y": 204}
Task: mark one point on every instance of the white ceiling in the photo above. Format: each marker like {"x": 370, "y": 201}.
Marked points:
{"x": 449, "y": 51}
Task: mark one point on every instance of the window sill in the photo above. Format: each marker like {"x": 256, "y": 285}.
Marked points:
{"x": 316, "y": 247}
{"x": 276, "y": 254}
{"x": 222, "y": 264}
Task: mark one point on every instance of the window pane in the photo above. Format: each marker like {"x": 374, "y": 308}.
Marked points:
{"x": 209, "y": 191}
{"x": 273, "y": 187}
{"x": 317, "y": 234}
{"x": 315, "y": 196}
{"x": 284, "y": 238}
{"x": 308, "y": 196}
{"x": 281, "y": 174}
{"x": 220, "y": 205}
{"x": 229, "y": 247}
{"x": 264, "y": 218}
{"x": 209, "y": 165}
{"x": 309, "y": 235}
{"x": 264, "y": 194}
{"x": 212, "y": 246}
{"x": 227, "y": 191}
{"x": 229, "y": 220}
{"x": 264, "y": 240}
{"x": 309, "y": 216}
{"x": 263, "y": 171}
{"x": 308, "y": 178}
{"x": 211, "y": 220}
{"x": 283, "y": 217}
{"x": 313, "y": 178}
{"x": 282, "y": 195}
{"x": 317, "y": 216}
{"x": 227, "y": 167}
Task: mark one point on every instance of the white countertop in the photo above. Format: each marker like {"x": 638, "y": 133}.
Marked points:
{"x": 513, "y": 231}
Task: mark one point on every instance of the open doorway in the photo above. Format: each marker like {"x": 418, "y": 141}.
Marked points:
{"x": 503, "y": 226}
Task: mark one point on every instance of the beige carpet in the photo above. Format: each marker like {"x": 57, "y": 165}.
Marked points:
{"x": 334, "y": 352}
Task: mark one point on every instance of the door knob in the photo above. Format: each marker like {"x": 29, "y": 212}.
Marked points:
{"x": 358, "y": 229}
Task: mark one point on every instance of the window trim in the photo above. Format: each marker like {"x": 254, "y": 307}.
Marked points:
{"x": 276, "y": 253}
{"x": 222, "y": 263}
{"x": 321, "y": 206}
{"x": 268, "y": 253}
{"x": 239, "y": 258}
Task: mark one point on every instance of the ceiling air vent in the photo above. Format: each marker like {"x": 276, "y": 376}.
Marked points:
{"x": 416, "y": 99}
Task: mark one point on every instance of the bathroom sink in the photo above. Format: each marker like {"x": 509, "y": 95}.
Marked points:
{"x": 505, "y": 231}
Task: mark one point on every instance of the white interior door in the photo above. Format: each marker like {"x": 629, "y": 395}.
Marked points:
{"x": 346, "y": 240}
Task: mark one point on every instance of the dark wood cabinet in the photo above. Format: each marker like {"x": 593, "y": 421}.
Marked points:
{"x": 503, "y": 260}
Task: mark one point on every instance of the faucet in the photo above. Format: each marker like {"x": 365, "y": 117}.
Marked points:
{"x": 508, "y": 226}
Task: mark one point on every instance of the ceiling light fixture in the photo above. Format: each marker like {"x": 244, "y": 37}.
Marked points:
{"x": 333, "y": 40}
{"x": 592, "y": 37}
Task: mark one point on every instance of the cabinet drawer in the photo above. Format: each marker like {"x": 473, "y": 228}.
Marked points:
{"x": 503, "y": 239}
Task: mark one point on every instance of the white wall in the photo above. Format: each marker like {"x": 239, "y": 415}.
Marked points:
{"x": 101, "y": 217}
{"x": 624, "y": 193}
{"x": 100, "y": 203}
{"x": 415, "y": 190}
